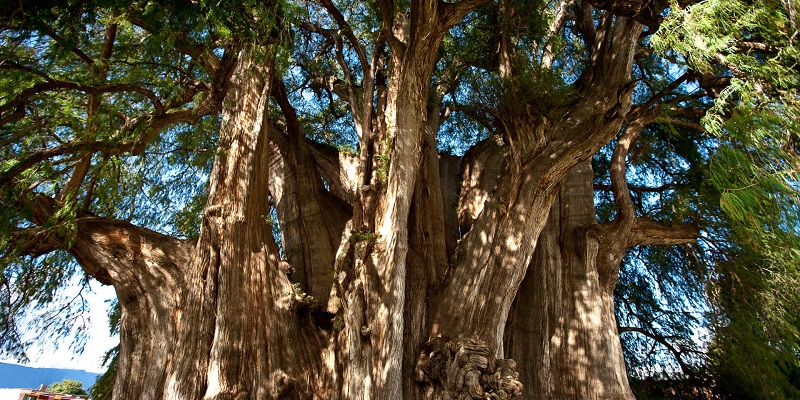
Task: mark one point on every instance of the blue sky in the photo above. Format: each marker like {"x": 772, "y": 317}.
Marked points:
{"x": 98, "y": 343}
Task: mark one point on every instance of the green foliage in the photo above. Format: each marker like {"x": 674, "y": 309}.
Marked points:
{"x": 755, "y": 170}
{"x": 103, "y": 387}
{"x": 738, "y": 179}
{"x": 541, "y": 91}
{"x": 160, "y": 185}
{"x": 364, "y": 237}
{"x": 384, "y": 161}
{"x": 68, "y": 386}
{"x": 45, "y": 293}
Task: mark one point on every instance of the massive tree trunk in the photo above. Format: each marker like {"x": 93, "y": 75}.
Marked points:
{"x": 562, "y": 321}
{"x": 221, "y": 320}
{"x": 405, "y": 274}
{"x": 238, "y": 322}
{"x": 401, "y": 309}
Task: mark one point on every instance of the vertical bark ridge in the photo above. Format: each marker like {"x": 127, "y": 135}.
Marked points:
{"x": 482, "y": 168}
{"x": 563, "y": 321}
{"x": 404, "y": 118}
{"x": 312, "y": 219}
{"x": 427, "y": 257}
{"x": 450, "y": 177}
{"x": 240, "y": 322}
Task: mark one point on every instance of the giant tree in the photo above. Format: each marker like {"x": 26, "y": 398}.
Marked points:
{"x": 268, "y": 187}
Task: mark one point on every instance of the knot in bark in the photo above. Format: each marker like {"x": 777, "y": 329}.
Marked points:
{"x": 464, "y": 368}
{"x": 280, "y": 383}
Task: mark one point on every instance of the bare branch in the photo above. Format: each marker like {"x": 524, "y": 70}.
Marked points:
{"x": 78, "y": 176}
{"x": 348, "y": 33}
{"x": 649, "y": 232}
{"x": 280, "y": 95}
{"x": 350, "y": 96}
{"x": 453, "y": 13}
{"x": 506, "y": 47}
{"x": 555, "y": 26}
{"x": 664, "y": 342}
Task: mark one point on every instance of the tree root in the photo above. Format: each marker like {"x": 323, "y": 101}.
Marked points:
{"x": 464, "y": 368}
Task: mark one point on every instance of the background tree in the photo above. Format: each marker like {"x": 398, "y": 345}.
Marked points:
{"x": 406, "y": 199}
{"x": 68, "y": 386}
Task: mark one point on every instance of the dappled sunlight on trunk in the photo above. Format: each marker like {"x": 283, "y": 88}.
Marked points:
{"x": 561, "y": 320}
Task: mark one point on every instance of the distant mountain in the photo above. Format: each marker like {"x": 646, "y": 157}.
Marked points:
{"x": 18, "y": 376}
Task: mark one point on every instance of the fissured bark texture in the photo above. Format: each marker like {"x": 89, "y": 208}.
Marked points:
{"x": 562, "y": 322}
{"x": 406, "y": 274}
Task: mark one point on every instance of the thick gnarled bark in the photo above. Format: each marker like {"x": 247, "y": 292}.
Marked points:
{"x": 377, "y": 263}
{"x": 562, "y": 321}
{"x": 147, "y": 270}
{"x": 239, "y": 322}
{"x": 540, "y": 154}
{"x": 432, "y": 276}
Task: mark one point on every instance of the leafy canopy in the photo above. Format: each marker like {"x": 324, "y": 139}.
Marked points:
{"x": 142, "y": 115}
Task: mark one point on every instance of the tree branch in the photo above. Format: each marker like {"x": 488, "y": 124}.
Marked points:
{"x": 684, "y": 123}
{"x": 21, "y": 99}
{"x": 83, "y": 56}
{"x": 33, "y": 241}
{"x": 197, "y": 51}
{"x": 147, "y": 126}
{"x": 585, "y": 24}
{"x": 8, "y": 64}
{"x": 639, "y": 189}
{"x": 453, "y": 13}
{"x": 555, "y": 26}
{"x": 663, "y": 92}
{"x": 280, "y": 95}
{"x": 619, "y": 183}
{"x": 386, "y": 8}
{"x": 649, "y": 232}
{"x": 664, "y": 342}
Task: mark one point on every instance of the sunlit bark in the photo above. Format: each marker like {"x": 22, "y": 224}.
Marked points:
{"x": 405, "y": 274}
{"x": 563, "y": 319}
